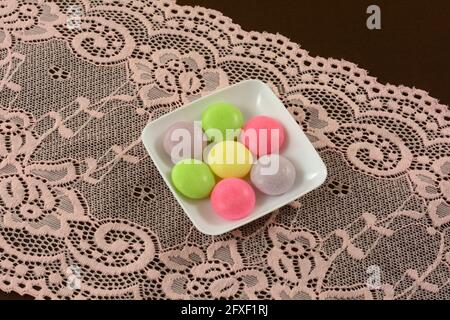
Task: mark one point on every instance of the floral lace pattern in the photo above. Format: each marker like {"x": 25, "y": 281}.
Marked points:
{"x": 84, "y": 213}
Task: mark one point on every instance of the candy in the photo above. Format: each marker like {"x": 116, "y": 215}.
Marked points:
{"x": 219, "y": 118}
{"x": 184, "y": 140}
{"x": 193, "y": 178}
{"x": 230, "y": 159}
{"x": 233, "y": 199}
{"x": 263, "y": 135}
{"x": 273, "y": 174}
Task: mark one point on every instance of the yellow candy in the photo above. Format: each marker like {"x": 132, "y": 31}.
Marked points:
{"x": 230, "y": 159}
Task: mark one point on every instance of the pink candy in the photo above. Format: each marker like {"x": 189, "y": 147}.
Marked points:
{"x": 263, "y": 135}
{"x": 233, "y": 199}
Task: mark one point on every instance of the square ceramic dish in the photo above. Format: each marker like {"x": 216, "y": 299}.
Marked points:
{"x": 253, "y": 98}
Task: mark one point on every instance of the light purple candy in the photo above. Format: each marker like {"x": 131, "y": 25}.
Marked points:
{"x": 184, "y": 140}
{"x": 273, "y": 174}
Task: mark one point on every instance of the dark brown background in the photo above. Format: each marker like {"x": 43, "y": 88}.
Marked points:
{"x": 412, "y": 47}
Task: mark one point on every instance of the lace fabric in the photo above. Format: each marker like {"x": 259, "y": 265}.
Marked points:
{"x": 85, "y": 214}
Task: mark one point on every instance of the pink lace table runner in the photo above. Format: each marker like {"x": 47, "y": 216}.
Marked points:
{"x": 85, "y": 214}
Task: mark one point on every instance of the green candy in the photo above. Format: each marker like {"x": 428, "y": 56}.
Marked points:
{"x": 193, "y": 178}
{"x": 221, "y": 116}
